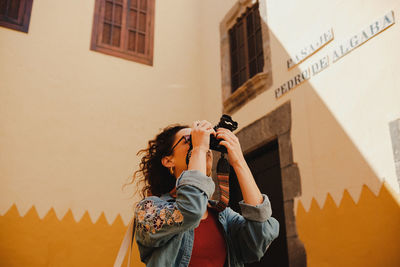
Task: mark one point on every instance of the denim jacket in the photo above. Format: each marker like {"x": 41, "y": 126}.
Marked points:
{"x": 165, "y": 226}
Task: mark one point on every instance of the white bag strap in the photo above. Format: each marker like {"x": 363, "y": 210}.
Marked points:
{"x": 126, "y": 245}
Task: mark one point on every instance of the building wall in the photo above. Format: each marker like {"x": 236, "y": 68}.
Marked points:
{"x": 72, "y": 120}
{"x": 343, "y": 98}
{"x": 340, "y": 128}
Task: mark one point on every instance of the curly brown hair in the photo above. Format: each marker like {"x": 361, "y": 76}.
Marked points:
{"x": 156, "y": 177}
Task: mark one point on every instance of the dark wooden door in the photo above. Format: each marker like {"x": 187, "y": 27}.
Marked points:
{"x": 265, "y": 166}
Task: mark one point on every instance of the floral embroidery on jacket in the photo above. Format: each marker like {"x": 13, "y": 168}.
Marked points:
{"x": 151, "y": 217}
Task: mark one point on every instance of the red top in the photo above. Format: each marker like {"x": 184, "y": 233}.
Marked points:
{"x": 209, "y": 247}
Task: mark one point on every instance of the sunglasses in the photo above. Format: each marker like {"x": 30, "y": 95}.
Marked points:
{"x": 185, "y": 137}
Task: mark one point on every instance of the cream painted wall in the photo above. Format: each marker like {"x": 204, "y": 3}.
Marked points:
{"x": 211, "y": 14}
{"x": 340, "y": 129}
{"x": 73, "y": 119}
{"x": 360, "y": 90}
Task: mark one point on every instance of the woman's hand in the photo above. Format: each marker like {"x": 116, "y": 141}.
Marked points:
{"x": 201, "y": 131}
{"x": 231, "y": 142}
{"x": 250, "y": 191}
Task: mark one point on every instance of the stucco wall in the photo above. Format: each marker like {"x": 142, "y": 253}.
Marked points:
{"x": 341, "y": 116}
{"x": 73, "y": 119}
{"x": 340, "y": 128}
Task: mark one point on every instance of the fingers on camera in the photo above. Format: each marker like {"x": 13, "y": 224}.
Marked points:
{"x": 201, "y": 124}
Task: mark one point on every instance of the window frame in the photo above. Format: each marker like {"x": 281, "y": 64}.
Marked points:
{"x": 261, "y": 81}
{"x": 234, "y": 32}
{"x": 24, "y": 16}
{"x": 122, "y": 51}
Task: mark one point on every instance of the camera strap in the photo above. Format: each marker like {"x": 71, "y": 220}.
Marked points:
{"x": 223, "y": 170}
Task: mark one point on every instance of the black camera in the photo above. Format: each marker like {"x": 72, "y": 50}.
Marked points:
{"x": 224, "y": 122}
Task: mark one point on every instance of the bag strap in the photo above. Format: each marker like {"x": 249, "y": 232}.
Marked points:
{"x": 126, "y": 245}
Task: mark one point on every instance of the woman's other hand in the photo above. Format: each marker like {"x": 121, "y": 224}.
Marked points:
{"x": 231, "y": 142}
{"x": 250, "y": 191}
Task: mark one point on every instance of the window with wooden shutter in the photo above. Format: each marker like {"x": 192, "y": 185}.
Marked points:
{"x": 15, "y": 14}
{"x": 246, "y": 68}
{"x": 124, "y": 28}
{"x": 245, "y": 40}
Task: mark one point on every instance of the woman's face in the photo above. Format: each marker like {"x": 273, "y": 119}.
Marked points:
{"x": 181, "y": 150}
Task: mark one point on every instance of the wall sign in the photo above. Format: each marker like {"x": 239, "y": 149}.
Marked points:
{"x": 338, "y": 52}
{"x": 292, "y": 83}
{"x": 310, "y": 49}
{"x": 314, "y": 68}
{"x": 361, "y": 37}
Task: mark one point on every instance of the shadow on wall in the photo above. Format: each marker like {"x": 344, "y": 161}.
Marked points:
{"x": 361, "y": 231}
{"x": 365, "y": 233}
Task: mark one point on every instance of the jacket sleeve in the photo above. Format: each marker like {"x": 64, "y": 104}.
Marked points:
{"x": 157, "y": 221}
{"x": 252, "y": 232}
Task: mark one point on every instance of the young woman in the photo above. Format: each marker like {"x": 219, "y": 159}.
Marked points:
{"x": 176, "y": 224}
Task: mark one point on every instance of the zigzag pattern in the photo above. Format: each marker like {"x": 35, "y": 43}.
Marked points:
{"x": 365, "y": 233}
{"x": 31, "y": 241}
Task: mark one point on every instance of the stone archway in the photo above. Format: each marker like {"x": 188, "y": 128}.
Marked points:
{"x": 277, "y": 125}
